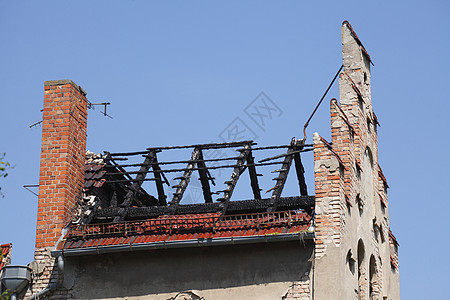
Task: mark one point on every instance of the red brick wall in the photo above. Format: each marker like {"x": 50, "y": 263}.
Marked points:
{"x": 62, "y": 158}
{"x": 329, "y": 184}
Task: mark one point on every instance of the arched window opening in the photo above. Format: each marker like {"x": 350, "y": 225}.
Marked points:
{"x": 368, "y": 153}
{"x": 351, "y": 261}
{"x": 367, "y": 179}
{"x": 360, "y": 204}
{"x": 362, "y": 284}
{"x": 373, "y": 283}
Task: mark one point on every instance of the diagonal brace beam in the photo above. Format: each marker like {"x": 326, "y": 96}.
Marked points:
{"x": 300, "y": 173}
{"x": 158, "y": 179}
{"x": 237, "y": 171}
{"x": 204, "y": 179}
{"x": 282, "y": 176}
{"x": 132, "y": 192}
{"x": 181, "y": 187}
{"x": 253, "y": 176}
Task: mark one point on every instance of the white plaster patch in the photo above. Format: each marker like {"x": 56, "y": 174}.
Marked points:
{"x": 331, "y": 163}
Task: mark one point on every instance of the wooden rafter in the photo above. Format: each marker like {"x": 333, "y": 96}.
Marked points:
{"x": 122, "y": 187}
{"x": 234, "y": 207}
{"x": 253, "y": 176}
{"x": 282, "y": 176}
{"x": 134, "y": 189}
{"x": 158, "y": 179}
{"x": 231, "y": 184}
{"x": 300, "y": 173}
{"x": 184, "y": 180}
{"x": 204, "y": 178}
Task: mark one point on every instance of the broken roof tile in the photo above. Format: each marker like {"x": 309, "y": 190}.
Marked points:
{"x": 186, "y": 228}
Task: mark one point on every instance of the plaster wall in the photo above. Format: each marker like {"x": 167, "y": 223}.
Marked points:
{"x": 257, "y": 271}
{"x": 352, "y": 245}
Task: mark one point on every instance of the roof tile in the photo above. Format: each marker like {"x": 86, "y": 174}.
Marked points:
{"x": 181, "y": 228}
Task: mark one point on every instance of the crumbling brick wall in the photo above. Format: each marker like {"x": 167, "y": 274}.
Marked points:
{"x": 351, "y": 200}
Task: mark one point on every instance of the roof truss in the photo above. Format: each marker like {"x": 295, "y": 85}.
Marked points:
{"x": 125, "y": 185}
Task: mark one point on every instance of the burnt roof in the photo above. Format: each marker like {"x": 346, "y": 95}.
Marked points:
{"x": 114, "y": 184}
{"x": 185, "y": 231}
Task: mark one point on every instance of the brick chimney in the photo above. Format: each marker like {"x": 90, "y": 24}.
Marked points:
{"x": 62, "y": 158}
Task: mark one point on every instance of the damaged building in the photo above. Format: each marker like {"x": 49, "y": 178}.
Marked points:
{"x": 108, "y": 228}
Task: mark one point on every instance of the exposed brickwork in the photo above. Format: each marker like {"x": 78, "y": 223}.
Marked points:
{"x": 352, "y": 207}
{"x": 61, "y": 175}
{"x": 329, "y": 192}
{"x": 393, "y": 251}
{"x": 299, "y": 290}
{"x": 62, "y": 158}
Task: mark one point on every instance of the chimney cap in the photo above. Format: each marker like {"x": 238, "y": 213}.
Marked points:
{"x": 63, "y": 82}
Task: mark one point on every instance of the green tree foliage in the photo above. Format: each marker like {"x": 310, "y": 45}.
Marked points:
{"x": 4, "y": 167}
{"x": 6, "y": 295}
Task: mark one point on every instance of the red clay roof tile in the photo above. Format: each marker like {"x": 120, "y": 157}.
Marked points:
{"x": 186, "y": 227}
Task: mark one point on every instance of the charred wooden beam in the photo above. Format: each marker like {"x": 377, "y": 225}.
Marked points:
{"x": 202, "y": 146}
{"x": 129, "y": 153}
{"x": 181, "y": 187}
{"x": 194, "y": 169}
{"x": 284, "y": 154}
{"x": 131, "y": 180}
{"x": 207, "y": 146}
{"x": 282, "y": 176}
{"x": 231, "y": 184}
{"x": 279, "y": 147}
{"x": 300, "y": 174}
{"x": 182, "y": 161}
{"x": 234, "y": 207}
{"x": 121, "y": 169}
{"x": 204, "y": 179}
{"x": 120, "y": 182}
{"x": 113, "y": 202}
{"x": 158, "y": 179}
{"x": 253, "y": 176}
{"x": 131, "y": 194}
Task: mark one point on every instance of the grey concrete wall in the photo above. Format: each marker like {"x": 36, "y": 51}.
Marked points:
{"x": 255, "y": 271}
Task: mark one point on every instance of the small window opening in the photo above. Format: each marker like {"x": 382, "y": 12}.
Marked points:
{"x": 358, "y": 170}
{"x": 373, "y": 280}
{"x": 362, "y": 284}
{"x": 383, "y": 238}
{"x": 376, "y": 231}
{"x": 359, "y": 203}
{"x": 351, "y": 261}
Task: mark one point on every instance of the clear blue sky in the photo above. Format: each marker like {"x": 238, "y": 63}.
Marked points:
{"x": 179, "y": 72}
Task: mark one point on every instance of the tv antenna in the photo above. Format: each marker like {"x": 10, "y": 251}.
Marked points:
{"x": 105, "y": 105}
{"x": 90, "y": 106}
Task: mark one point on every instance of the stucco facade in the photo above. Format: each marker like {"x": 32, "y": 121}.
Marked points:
{"x": 253, "y": 271}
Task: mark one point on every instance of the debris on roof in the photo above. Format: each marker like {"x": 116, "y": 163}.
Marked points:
{"x": 165, "y": 230}
{"x": 114, "y": 185}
